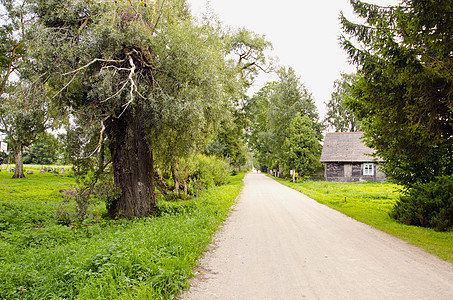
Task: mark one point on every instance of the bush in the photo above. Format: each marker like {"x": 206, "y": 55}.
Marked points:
{"x": 208, "y": 171}
{"x": 427, "y": 205}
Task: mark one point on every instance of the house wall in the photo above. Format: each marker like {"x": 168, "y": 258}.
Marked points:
{"x": 350, "y": 172}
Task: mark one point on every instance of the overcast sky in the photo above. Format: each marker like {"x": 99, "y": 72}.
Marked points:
{"x": 304, "y": 35}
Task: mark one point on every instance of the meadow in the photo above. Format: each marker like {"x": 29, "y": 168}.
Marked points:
{"x": 101, "y": 258}
{"x": 371, "y": 203}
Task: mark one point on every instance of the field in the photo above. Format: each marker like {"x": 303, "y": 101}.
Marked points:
{"x": 370, "y": 203}
{"x": 149, "y": 258}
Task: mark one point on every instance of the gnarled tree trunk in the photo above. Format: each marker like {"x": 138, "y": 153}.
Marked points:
{"x": 18, "y": 159}
{"x": 133, "y": 166}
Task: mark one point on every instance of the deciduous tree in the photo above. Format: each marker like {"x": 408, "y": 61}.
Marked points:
{"x": 156, "y": 81}
{"x": 302, "y": 146}
{"x": 275, "y": 107}
{"x": 339, "y": 117}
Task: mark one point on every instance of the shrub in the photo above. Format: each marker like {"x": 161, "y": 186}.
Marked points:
{"x": 427, "y": 205}
{"x": 208, "y": 171}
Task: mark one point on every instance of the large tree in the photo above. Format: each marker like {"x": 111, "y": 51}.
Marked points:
{"x": 404, "y": 94}
{"x": 156, "y": 81}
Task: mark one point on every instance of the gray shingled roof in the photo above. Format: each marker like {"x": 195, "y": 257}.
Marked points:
{"x": 345, "y": 147}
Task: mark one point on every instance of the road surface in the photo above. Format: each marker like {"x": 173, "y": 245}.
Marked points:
{"x": 280, "y": 244}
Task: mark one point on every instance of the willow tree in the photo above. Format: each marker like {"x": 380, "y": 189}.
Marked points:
{"x": 156, "y": 81}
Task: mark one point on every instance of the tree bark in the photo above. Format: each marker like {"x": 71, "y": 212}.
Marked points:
{"x": 133, "y": 166}
{"x": 18, "y": 159}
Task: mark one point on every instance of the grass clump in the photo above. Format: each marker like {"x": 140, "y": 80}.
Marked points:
{"x": 372, "y": 203}
{"x": 148, "y": 258}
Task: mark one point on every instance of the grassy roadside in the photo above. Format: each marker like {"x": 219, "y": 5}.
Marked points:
{"x": 370, "y": 203}
{"x": 149, "y": 258}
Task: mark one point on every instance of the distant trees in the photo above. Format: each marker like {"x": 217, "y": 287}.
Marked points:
{"x": 23, "y": 116}
{"x": 404, "y": 93}
{"x": 45, "y": 150}
{"x": 24, "y": 111}
{"x": 286, "y": 131}
{"x": 246, "y": 53}
{"x": 339, "y": 116}
{"x": 302, "y": 147}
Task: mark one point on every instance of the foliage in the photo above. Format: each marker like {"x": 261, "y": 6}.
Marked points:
{"x": 44, "y": 151}
{"x": 404, "y": 94}
{"x": 247, "y": 51}
{"x": 230, "y": 142}
{"x": 247, "y": 54}
{"x": 148, "y": 258}
{"x": 24, "y": 111}
{"x": 371, "y": 203}
{"x": 12, "y": 50}
{"x": 208, "y": 172}
{"x": 302, "y": 146}
{"x": 259, "y": 138}
{"x": 155, "y": 81}
{"x": 427, "y": 204}
{"x": 80, "y": 140}
{"x": 274, "y": 108}
{"x": 339, "y": 117}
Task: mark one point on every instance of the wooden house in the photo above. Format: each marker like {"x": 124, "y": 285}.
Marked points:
{"x": 347, "y": 159}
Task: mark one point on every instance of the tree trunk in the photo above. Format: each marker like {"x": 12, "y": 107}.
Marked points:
{"x": 175, "y": 178}
{"x": 19, "y": 169}
{"x": 133, "y": 166}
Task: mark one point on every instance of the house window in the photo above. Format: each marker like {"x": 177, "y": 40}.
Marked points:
{"x": 368, "y": 169}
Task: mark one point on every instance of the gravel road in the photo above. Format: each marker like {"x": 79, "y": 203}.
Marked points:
{"x": 280, "y": 244}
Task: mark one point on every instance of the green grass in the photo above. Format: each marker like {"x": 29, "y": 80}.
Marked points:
{"x": 371, "y": 203}
{"x": 148, "y": 258}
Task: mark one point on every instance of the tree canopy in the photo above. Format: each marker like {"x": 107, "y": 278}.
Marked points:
{"x": 157, "y": 82}
{"x": 282, "y": 112}
{"x": 339, "y": 117}
{"x": 404, "y": 94}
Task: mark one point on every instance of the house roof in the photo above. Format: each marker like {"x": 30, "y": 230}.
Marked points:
{"x": 345, "y": 147}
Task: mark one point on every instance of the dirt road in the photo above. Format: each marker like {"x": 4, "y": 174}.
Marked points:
{"x": 280, "y": 244}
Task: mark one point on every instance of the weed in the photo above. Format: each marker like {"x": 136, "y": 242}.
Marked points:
{"x": 149, "y": 258}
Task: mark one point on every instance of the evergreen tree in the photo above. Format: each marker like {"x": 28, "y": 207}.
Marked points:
{"x": 404, "y": 100}
{"x": 404, "y": 94}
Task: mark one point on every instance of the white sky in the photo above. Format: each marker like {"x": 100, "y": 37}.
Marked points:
{"x": 304, "y": 35}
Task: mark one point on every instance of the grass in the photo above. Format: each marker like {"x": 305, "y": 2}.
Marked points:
{"x": 371, "y": 203}
{"x": 148, "y": 258}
